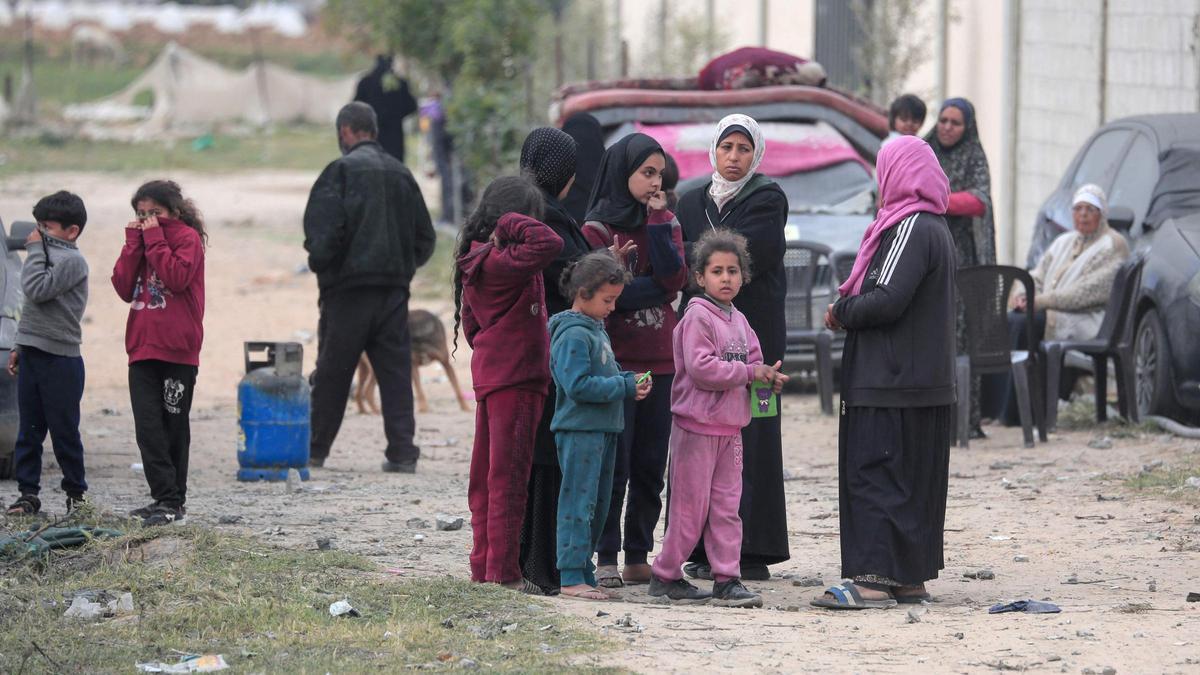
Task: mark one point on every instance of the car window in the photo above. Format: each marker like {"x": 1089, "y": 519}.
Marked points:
{"x": 1136, "y": 178}
{"x": 1099, "y": 162}
{"x": 844, "y": 189}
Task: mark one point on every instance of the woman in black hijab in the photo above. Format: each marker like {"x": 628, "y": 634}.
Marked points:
{"x": 548, "y": 159}
{"x": 749, "y": 203}
{"x": 589, "y": 148}
{"x": 628, "y": 212}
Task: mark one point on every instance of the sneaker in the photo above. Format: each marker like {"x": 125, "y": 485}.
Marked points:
{"x": 25, "y": 505}
{"x": 733, "y": 594}
{"x": 679, "y": 591}
{"x": 698, "y": 571}
{"x": 400, "y": 467}
{"x": 74, "y": 502}
{"x": 144, "y": 511}
{"x": 163, "y": 514}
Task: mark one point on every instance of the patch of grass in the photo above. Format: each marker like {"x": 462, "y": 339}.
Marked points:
{"x": 1080, "y": 415}
{"x": 199, "y": 591}
{"x": 297, "y": 147}
{"x": 1168, "y": 480}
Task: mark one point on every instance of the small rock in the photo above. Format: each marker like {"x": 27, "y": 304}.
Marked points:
{"x": 1000, "y": 466}
{"x": 468, "y": 664}
{"x": 508, "y": 628}
{"x": 915, "y": 613}
{"x": 416, "y": 524}
{"x": 1084, "y": 633}
{"x": 448, "y": 622}
{"x": 418, "y": 537}
{"x": 109, "y": 412}
{"x": 447, "y": 523}
{"x": 793, "y": 608}
{"x": 1102, "y": 443}
{"x": 388, "y": 634}
{"x": 1020, "y": 558}
{"x": 808, "y": 582}
{"x": 1108, "y": 670}
{"x": 342, "y": 608}
{"x": 327, "y": 519}
{"x": 1192, "y": 482}
{"x": 982, "y": 575}
{"x": 959, "y": 636}
{"x": 1152, "y": 586}
{"x": 229, "y": 520}
{"x": 600, "y": 613}
{"x": 324, "y": 543}
{"x": 293, "y": 481}
{"x": 1193, "y": 597}
{"x": 1073, "y": 579}
{"x": 1151, "y": 466}
{"x": 1006, "y": 484}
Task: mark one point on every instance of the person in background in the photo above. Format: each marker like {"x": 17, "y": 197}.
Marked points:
{"x": 441, "y": 143}
{"x": 589, "y": 149}
{"x": 670, "y": 181}
{"x": 955, "y": 141}
{"x": 548, "y": 159}
{"x": 160, "y": 273}
{"x": 366, "y": 231}
{"x": 589, "y": 414}
{"x": 906, "y": 116}
{"x": 501, "y": 304}
{"x": 749, "y": 203}
{"x": 388, "y": 95}
{"x": 628, "y": 213}
{"x": 898, "y": 311}
{"x": 45, "y": 357}
{"x": 1072, "y": 283}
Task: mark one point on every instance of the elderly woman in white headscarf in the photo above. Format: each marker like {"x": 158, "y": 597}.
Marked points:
{"x": 1072, "y": 283}
{"x": 739, "y": 198}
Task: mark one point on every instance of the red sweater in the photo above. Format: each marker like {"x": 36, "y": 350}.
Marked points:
{"x": 166, "y": 314}
{"x": 641, "y": 326}
{"x": 504, "y": 306}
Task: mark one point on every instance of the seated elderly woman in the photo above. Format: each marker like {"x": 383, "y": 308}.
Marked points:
{"x": 1072, "y": 284}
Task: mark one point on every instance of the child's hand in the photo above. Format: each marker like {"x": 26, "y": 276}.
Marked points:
{"x": 134, "y": 224}
{"x": 622, "y": 251}
{"x": 658, "y": 202}
{"x": 643, "y": 389}
{"x": 150, "y": 223}
{"x": 780, "y": 380}
{"x": 764, "y": 373}
{"x": 13, "y": 357}
{"x": 33, "y": 237}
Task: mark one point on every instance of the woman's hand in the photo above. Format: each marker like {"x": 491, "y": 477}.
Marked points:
{"x": 831, "y": 321}
{"x": 658, "y": 202}
{"x": 13, "y": 358}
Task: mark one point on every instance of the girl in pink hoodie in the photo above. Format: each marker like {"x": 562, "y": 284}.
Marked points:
{"x": 501, "y": 303}
{"x": 717, "y": 356}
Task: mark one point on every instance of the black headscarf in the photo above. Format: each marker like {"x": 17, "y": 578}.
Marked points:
{"x": 548, "y": 155}
{"x": 589, "y": 148}
{"x": 611, "y": 202}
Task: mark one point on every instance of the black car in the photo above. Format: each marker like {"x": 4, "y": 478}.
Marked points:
{"x": 1149, "y": 166}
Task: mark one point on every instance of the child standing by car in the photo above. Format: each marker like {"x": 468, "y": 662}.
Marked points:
{"x": 45, "y": 359}
{"x": 588, "y": 414}
{"x": 500, "y": 297}
{"x": 160, "y": 273}
{"x": 717, "y": 356}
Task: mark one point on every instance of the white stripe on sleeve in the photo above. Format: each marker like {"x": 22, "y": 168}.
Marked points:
{"x": 885, "y": 277}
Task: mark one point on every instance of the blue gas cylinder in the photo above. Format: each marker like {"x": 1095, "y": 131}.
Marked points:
{"x": 273, "y": 412}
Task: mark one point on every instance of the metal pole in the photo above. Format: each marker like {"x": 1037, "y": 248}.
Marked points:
{"x": 710, "y": 27}
{"x": 1010, "y": 96}
{"x": 762, "y": 22}
{"x": 943, "y": 23}
{"x": 1103, "y": 100}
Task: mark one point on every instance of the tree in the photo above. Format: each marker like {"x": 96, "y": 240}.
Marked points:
{"x": 478, "y": 50}
{"x": 893, "y": 45}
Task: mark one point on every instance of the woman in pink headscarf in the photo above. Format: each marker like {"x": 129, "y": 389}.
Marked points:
{"x": 898, "y": 309}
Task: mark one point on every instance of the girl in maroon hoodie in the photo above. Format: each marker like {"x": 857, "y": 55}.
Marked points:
{"x": 160, "y": 273}
{"x": 500, "y": 302}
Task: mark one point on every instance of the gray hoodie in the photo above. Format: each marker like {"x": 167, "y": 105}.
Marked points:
{"x": 56, "y": 292}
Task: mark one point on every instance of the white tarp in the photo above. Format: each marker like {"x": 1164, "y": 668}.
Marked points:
{"x": 284, "y": 18}
{"x": 193, "y": 93}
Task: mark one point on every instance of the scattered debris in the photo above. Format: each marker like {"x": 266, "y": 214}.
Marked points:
{"x": 1151, "y": 466}
{"x": 1101, "y": 517}
{"x": 999, "y": 537}
{"x": 1192, "y": 482}
{"x": 418, "y": 537}
{"x": 792, "y": 608}
{"x": 343, "y": 608}
{"x": 89, "y": 605}
{"x": 1106, "y": 670}
{"x": 324, "y": 544}
{"x": 109, "y": 412}
{"x": 416, "y": 524}
{"x": 1103, "y": 498}
{"x": 293, "y": 481}
{"x": 1084, "y": 633}
{"x": 601, "y": 613}
{"x": 983, "y": 575}
{"x": 808, "y": 582}
{"x": 447, "y": 523}
{"x": 1006, "y": 484}
{"x": 626, "y": 622}
{"x": 1152, "y": 586}
{"x": 468, "y": 664}
{"x": 1001, "y": 466}
{"x": 1102, "y": 443}
{"x": 1020, "y": 558}
{"x": 1026, "y": 606}
{"x": 1193, "y": 597}
{"x": 189, "y": 664}
{"x": 229, "y": 520}
{"x": 959, "y": 636}
{"x": 915, "y": 613}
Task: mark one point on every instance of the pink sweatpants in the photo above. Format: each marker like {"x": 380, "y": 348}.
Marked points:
{"x": 706, "y": 489}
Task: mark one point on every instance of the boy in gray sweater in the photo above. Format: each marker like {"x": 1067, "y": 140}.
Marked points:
{"x": 46, "y": 360}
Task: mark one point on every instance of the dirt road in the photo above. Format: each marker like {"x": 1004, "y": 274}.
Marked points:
{"x": 1119, "y": 562}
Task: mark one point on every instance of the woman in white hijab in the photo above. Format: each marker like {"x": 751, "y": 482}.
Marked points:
{"x": 1072, "y": 283}
{"x": 747, "y": 202}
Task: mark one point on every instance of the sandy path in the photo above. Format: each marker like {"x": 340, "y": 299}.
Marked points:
{"x": 1005, "y": 500}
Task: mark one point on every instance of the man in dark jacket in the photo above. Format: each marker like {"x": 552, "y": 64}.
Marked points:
{"x": 366, "y": 230}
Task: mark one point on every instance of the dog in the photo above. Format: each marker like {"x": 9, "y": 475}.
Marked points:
{"x": 428, "y": 336}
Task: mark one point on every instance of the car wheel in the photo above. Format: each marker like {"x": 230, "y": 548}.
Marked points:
{"x": 1153, "y": 366}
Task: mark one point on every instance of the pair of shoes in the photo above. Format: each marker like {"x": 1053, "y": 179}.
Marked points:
{"x": 74, "y": 502}
{"x": 608, "y": 576}
{"x": 698, "y": 571}
{"x": 316, "y": 462}
{"x": 400, "y": 467}
{"x": 144, "y": 511}
{"x": 164, "y": 514}
{"x": 25, "y": 505}
{"x": 733, "y": 594}
{"x": 678, "y": 591}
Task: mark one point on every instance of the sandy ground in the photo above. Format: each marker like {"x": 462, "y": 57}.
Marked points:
{"x": 1060, "y": 505}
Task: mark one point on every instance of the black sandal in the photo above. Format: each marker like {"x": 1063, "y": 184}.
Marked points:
{"x": 26, "y": 505}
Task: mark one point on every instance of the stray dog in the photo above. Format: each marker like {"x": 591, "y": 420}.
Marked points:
{"x": 428, "y": 337}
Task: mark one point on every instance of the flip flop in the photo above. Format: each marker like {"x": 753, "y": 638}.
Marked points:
{"x": 608, "y": 577}
{"x": 846, "y": 596}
